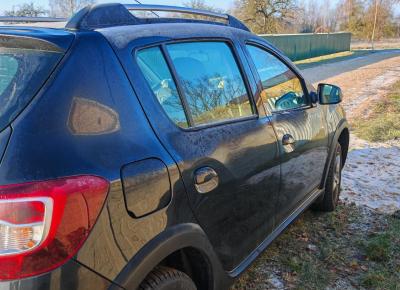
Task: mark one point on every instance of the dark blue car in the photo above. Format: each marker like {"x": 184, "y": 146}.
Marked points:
{"x": 154, "y": 153}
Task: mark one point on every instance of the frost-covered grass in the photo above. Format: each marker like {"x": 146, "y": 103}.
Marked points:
{"x": 351, "y": 248}
{"x": 384, "y": 122}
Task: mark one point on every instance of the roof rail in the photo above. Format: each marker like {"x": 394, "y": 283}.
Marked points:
{"x": 107, "y": 15}
{"x": 31, "y": 19}
{"x": 149, "y": 7}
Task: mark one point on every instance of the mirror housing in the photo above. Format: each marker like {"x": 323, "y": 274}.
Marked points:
{"x": 329, "y": 94}
{"x": 313, "y": 97}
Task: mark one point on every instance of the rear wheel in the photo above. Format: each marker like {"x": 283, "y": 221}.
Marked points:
{"x": 333, "y": 183}
{"x": 164, "y": 278}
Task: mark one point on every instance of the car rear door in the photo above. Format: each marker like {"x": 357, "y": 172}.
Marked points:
{"x": 199, "y": 103}
{"x": 300, "y": 127}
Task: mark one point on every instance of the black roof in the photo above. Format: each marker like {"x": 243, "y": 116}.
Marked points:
{"x": 115, "y": 14}
{"x": 47, "y": 36}
{"x": 121, "y": 36}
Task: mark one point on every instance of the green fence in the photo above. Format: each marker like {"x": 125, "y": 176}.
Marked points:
{"x": 307, "y": 45}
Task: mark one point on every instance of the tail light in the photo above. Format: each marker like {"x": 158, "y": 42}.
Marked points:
{"x": 43, "y": 224}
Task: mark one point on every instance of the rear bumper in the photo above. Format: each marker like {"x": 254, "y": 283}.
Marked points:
{"x": 70, "y": 276}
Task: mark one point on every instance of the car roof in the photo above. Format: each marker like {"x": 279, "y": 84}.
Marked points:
{"x": 120, "y": 27}
{"x": 60, "y": 37}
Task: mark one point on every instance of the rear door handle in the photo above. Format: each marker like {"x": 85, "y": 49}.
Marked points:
{"x": 288, "y": 139}
{"x": 205, "y": 179}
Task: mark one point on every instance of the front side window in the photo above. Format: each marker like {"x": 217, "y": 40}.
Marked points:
{"x": 282, "y": 89}
{"x": 211, "y": 81}
{"x": 155, "y": 69}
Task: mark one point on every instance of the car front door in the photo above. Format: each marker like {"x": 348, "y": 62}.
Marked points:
{"x": 198, "y": 101}
{"x": 300, "y": 127}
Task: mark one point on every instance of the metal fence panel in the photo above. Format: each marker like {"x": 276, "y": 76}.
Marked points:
{"x": 307, "y": 45}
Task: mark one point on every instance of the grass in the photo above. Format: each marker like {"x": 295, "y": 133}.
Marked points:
{"x": 384, "y": 249}
{"x": 340, "y": 56}
{"x": 313, "y": 276}
{"x": 351, "y": 247}
{"x": 378, "y": 248}
{"x": 384, "y": 122}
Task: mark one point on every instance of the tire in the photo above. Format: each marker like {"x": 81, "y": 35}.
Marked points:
{"x": 333, "y": 182}
{"x": 164, "y": 278}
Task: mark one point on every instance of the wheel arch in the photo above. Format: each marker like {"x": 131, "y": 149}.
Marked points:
{"x": 344, "y": 140}
{"x": 341, "y": 135}
{"x": 184, "y": 247}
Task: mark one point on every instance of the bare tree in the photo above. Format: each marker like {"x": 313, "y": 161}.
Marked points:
{"x": 326, "y": 20}
{"x": 379, "y": 19}
{"x": 368, "y": 19}
{"x": 26, "y": 9}
{"x": 199, "y": 4}
{"x": 66, "y": 8}
{"x": 351, "y": 16}
{"x": 266, "y": 16}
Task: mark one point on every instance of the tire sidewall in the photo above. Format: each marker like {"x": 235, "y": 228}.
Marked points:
{"x": 336, "y": 191}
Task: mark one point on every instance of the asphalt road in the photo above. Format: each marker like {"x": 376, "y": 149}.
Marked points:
{"x": 328, "y": 70}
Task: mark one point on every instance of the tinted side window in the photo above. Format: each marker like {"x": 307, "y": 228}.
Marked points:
{"x": 282, "y": 89}
{"x": 155, "y": 69}
{"x": 211, "y": 81}
{"x": 22, "y": 73}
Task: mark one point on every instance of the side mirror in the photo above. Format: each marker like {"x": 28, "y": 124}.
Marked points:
{"x": 329, "y": 94}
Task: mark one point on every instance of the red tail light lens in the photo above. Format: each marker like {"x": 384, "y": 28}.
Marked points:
{"x": 43, "y": 224}
{"x": 22, "y": 212}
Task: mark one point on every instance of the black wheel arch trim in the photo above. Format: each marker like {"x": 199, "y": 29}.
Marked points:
{"x": 169, "y": 241}
{"x": 343, "y": 124}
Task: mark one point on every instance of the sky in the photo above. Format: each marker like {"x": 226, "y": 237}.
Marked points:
{"x": 224, "y": 4}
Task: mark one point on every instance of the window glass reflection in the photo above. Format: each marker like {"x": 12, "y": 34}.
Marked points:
{"x": 155, "y": 69}
{"x": 282, "y": 89}
{"x": 211, "y": 81}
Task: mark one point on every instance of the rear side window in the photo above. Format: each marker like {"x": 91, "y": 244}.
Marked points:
{"x": 155, "y": 69}
{"x": 211, "y": 81}
{"x": 22, "y": 73}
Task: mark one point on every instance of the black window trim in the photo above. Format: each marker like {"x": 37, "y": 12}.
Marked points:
{"x": 191, "y": 126}
{"x": 171, "y": 68}
{"x": 284, "y": 61}
{"x": 185, "y": 109}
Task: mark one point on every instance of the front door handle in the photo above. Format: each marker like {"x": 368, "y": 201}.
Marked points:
{"x": 205, "y": 179}
{"x": 288, "y": 139}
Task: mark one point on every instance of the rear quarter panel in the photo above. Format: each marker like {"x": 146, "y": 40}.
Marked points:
{"x": 87, "y": 120}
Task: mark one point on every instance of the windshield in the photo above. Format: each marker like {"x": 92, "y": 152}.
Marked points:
{"x": 22, "y": 73}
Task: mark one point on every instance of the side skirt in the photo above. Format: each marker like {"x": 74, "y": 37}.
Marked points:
{"x": 250, "y": 258}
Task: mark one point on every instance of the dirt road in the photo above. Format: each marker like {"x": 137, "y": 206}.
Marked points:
{"x": 372, "y": 173}
{"x": 335, "y": 69}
